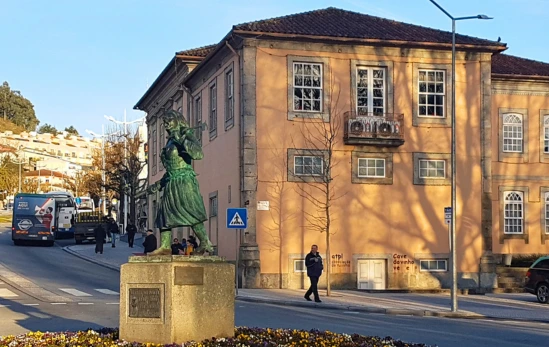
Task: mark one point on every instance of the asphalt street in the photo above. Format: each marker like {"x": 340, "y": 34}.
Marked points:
{"x": 45, "y": 288}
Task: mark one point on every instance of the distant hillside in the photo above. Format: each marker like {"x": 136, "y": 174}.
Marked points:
{"x": 6, "y": 125}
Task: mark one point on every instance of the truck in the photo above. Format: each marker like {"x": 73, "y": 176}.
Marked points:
{"x": 86, "y": 222}
{"x": 34, "y": 217}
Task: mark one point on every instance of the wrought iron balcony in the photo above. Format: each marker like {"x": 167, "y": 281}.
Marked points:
{"x": 371, "y": 129}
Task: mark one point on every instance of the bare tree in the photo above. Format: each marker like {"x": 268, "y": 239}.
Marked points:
{"x": 277, "y": 191}
{"x": 321, "y": 137}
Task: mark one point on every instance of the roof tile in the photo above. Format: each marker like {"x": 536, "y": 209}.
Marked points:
{"x": 334, "y": 22}
{"x": 200, "y": 52}
{"x": 505, "y": 64}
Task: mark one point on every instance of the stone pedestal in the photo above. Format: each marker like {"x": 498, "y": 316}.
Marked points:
{"x": 174, "y": 299}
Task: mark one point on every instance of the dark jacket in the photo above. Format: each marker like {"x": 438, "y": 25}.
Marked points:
{"x": 99, "y": 233}
{"x": 314, "y": 268}
{"x": 176, "y": 247}
{"x": 149, "y": 244}
{"x": 113, "y": 228}
{"x": 131, "y": 229}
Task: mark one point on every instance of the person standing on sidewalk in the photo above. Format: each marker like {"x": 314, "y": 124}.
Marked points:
{"x": 131, "y": 230}
{"x": 114, "y": 230}
{"x": 100, "y": 234}
{"x": 313, "y": 262}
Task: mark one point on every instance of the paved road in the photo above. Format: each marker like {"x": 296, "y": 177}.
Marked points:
{"x": 44, "y": 288}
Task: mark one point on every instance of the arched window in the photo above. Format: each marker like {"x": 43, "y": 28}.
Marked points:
{"x": 513, "y": 219}
{"x": 512, "y": 133}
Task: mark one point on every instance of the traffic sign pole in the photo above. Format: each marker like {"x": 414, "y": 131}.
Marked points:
{"x": 237, "y": 218}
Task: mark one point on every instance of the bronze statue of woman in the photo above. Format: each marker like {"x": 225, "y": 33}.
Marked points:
{"x": 181, "y": 204}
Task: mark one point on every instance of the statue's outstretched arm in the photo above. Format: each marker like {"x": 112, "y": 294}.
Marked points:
{"x": 192, "y": 146}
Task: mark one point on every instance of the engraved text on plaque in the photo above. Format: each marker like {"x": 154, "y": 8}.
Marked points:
{"x": 144, "y": 303}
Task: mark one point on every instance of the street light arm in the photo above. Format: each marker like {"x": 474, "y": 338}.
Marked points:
{"x": 479, "y": 16}
{"x": 443, "y": 10}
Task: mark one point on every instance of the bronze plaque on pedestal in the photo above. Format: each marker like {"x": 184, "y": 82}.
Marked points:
{"x": 144, "y": 303}
{"x": 187, "y": 275}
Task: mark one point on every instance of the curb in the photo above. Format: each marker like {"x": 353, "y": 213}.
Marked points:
{"x": 386, "y": 311}
{"x": 91, "y": 260}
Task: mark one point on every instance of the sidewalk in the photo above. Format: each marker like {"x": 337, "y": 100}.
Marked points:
{"x": 514, "y": 307}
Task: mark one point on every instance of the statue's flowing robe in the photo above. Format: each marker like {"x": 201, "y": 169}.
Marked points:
{"x": 181, "y": 204}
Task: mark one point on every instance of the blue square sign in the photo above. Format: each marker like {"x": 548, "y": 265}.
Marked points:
{"x": 237, "y": 218}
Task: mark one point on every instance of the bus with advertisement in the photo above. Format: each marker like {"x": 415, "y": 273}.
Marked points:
{"x": 65, "y": 221}
{"x": 33, "y": 219}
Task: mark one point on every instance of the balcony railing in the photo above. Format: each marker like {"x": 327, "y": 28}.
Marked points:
{"x": 372, "y": 129}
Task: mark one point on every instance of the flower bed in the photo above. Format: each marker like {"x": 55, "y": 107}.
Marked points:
{"x": 243, "y": 337}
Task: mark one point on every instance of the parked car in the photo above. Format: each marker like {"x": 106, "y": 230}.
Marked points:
{"x": 537, "y": 280}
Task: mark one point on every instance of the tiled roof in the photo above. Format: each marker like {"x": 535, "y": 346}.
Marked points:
{"x": 200, "y": 52}
{"x": 337, "y": 23}
{"x": 510, "y": 65}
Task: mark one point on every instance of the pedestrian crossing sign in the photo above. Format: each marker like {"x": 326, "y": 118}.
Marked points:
{"x": 237, "y": 218}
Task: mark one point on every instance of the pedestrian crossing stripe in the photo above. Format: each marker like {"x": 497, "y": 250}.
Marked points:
{"x": 237, "y": 220}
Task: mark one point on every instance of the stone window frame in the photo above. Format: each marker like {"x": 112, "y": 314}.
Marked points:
{"x": 213, "y": 108}
{"x": 213, "y": 197}
{"x": 296, "y": 152}
{"x": 502, "y": 112}
{"x": 388, "y": 157}
{"x": 417, "y": 156}
{"x": 428, "y": 121}
{"x": 543, "y": 220}
{"x": 229, "y": 99}
{"x": 501, "y": 202}
{"x": 389, "y": 83}
{"x": 326, "y": 87}
{"x": 543, "y": 156}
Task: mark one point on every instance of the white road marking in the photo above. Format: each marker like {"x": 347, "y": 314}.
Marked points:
{"x": 112, "y": 303}
{"x": 4, "y": 306}
{"x": 58, "y": 303}
{"x": 107, "y": 291}
{"x": 351, "y": 312}
{"x": 85, "y": 303}
{"x": 6, "y": 293}
{"x": 74, "y": 292}
{"x": 31, "y": 304}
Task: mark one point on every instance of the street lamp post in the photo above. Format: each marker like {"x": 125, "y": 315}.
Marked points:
{"x": 453, "y": 151}
{"x": 125, "y": 124}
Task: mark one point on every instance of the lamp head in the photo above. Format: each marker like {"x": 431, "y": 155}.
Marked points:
{"x": 483, "y": 16}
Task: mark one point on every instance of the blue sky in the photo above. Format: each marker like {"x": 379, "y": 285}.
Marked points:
{"x": 77, "y": 60}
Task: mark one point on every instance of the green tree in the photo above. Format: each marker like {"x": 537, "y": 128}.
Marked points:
{"x": 47, "y": 128}
{"x": 72, "y": 130}
{"x": 16, "y": 108}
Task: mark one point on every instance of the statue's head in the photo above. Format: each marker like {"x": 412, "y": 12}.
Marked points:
{"x": 174, "y": 121}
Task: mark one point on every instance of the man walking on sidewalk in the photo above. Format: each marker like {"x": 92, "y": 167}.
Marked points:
{"x": 313, "y": 262}
{"x": 131, "y": 230}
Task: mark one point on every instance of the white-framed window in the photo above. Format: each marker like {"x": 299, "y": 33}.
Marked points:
{"x": 433, "y": 265}
{"x": 307, "y": 87}
{"x": 198, "y": 117}
{"x": 371, "y": 167}
{"x": 546, "y": 134}
{"x": 370, "y": 91}
{"x": 213, "y": 108}
{"x": 512, "y": 133}
{"x": 513, "y": 209}
{"x": 305, "y": 165}
{"x": 229, "y": 96}
{"x": 546, "y": 212}
{"x": 299, "y": 265}
{"x": 432, "y": 93}
{"x": 429, "y": 168}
